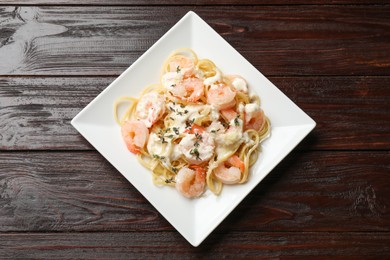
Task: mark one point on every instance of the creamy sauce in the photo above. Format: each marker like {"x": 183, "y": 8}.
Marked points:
{"x": 246, "y": 139}
{"x": 214, "y": 114}
{"x": 170, "y": 79}
{"x": 215, "y": 128}
{"x": 181, "y": 115}
{"x": 241, "y": 108}
{"x": 240, "y": 85}
{"x": 251, "y": 108}
{"x": 230, "y": 140}
{"x": 199, "y": 153}
{"x": 162, "y": 150}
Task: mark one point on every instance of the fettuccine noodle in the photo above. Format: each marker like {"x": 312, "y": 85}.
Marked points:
{"x": 196, "y": 128}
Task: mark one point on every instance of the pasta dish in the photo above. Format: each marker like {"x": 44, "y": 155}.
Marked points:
{"x": 197, "y": 128}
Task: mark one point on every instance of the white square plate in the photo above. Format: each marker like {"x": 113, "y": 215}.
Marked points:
{"x": 194, "y": 219}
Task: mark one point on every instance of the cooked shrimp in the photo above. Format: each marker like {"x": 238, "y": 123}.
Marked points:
{"x": 150, "y": 108}
{"x": 135, "y": 134}
{"x": 238, "y": 82}
{"x": 195, "y": 129}
{"x": 221, "y": 96}
{"x": 190, "y": 89}
{"x": 191, "y": 182}
{"x": 198, "y": 147}
{"x": 229, "y": 172}
{"x": 254, "y": 118}
{"x": 181, "y": 64}
{"x": 229, "y": 114}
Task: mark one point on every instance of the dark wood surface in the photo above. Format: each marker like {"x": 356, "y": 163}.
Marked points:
{"x": 330, "y": 196}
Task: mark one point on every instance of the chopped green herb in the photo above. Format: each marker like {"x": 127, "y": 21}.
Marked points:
{"x": 170, "y": 180}
{"x": 196, "y": 144}
{"x": 170, "y": 136}
{"x": 198, "y": 136}
{"x": 196, "y": 153}
{"x": 182, "y": 106}
{"x": 156, "y": 156}
{"x": 236, "y": 122}
{"x": 174, "y": 169}
{"x": 176, "y": 130}
{"x": 173, "y": 85}
{"x": 178, "y": 69}
{"x": 185, "y": 111}
{"x": 172, "y": 109}
{"x": 171, "y": 118}
{"x": 189, "y": 123}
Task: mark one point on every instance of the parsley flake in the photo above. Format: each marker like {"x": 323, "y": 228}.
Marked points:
{"x": 236, "y": 122}
{"x": 156, "y": 156}
{"x": 189, "y": 123}
{"x": 196, "y": 153}
{"x": 170, "y": 180}
{"x": 178, "y": 69}
{"x": 198, "y": 136}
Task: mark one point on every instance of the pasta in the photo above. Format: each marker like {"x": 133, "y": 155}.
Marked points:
{"x": 196, "y": 128}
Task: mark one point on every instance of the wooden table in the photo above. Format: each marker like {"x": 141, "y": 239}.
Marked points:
{"x": 59, "y": 198}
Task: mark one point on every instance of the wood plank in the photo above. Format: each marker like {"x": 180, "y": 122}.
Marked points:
{"x": 350, "y": 112}
{"x": 278, "y": 40}
{"x": 154, "y": 245}
{"x": 81, "y": 191}
{"x": 198, "y": 2}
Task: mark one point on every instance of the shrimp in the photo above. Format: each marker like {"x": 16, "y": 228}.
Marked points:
{"x": 198, "y": 147}
{"x": 191, "y": 181}
{"x": 150, "y": 108}
{"x": 135, "y": 134}
{"x": 229, "y": 172}
{"x": 254, "y": 119}
{"x": 195, "y": 129}
{"x": 181, "y": 64}
{"x": 229, "y": 114}
{"x": 190, "y": 89}
{"x": 221, "y": 96}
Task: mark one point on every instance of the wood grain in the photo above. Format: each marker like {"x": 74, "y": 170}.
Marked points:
{"x": 350, "y": 112}
{"x": 278, "y": 40}
{"x": 156, "y": 245}
{"x": 197, "y": 2}
{"x": 81, "y": 191}
{"x": 329, "y": 198}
